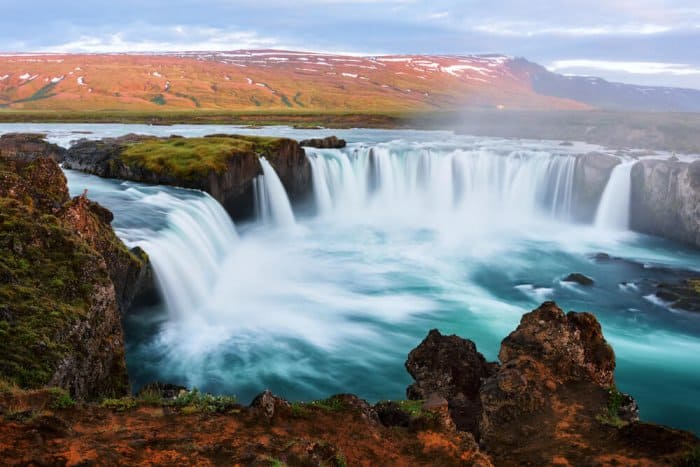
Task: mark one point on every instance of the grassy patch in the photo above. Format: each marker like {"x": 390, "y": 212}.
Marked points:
{"x": 43, "y": 93}
{"x": 610, "y": 414}
{"x": 412, "y": 408}
{"x": 198, "y": 402}
{"x": 60, "y": 399}
{"x": 194, "y": 157}
{"x": 332, "y": 404}
{"x": 120, "y": 405}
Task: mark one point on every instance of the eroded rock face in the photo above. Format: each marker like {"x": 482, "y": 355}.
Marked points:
{"x": 665, "y": 199}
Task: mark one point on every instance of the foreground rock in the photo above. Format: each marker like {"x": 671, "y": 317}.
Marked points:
{"x": 553, "y": 398}
{"x": 225, "y": 166}
{"x": 60, "y": 320}
{"x": 665, "y": 199}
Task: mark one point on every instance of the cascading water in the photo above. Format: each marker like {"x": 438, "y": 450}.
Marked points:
{"x": 271, "y": 201}
{"x": 388, "y": 179}
{"x": 186, "y": 255}
{"x": 614, "y": 207}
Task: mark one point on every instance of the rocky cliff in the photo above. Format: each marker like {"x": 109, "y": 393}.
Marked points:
{"x": 60, "y": 321}
{"x": 224, "y": 166}
{"x": 665, "y": 199}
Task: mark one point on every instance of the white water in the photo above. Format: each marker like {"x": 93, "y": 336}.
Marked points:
{"x": 271, "y": 202}
{"x": 614, "y": 207}
{"x": 439, "y": 187}
{"x": 187, "y": 256}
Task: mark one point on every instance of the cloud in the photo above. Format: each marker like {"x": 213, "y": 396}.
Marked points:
{"x": 170, "y": 39}
{"x": 525, "y": 29}
{"x": 638, "y": 68}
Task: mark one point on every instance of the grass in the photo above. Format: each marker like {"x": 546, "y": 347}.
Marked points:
{"x": 414, "y": 408}
{"x": 610, "y": 414}
{"x": 198, "y": 402}
{"x": 120, "y": 405}
{"x": 61, "y": 399}
{"x": 194, "y": 157}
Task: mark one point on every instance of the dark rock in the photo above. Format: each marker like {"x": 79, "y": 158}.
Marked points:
{"x": 683, "y": 295}
{"x": 268, "y": 403}
{"x": 163, "y": 390}
{"x": 452, "y": 368}
{"x": 579, "y": 278}
{"x": 329, "y": 142}
{"x": 628, "y": 410}
{"x": 446, "y": 365}
{"x": 51, "y": 425}
{"x": 391, "y": 414}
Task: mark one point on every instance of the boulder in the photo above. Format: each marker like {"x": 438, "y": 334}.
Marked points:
{"x": 579, "y": 278}
{"x": 452, "y": 368}
{"x": 268, "y": 403}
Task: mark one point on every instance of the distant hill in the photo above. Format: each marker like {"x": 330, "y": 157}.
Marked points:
{"x": 268, "y": 80}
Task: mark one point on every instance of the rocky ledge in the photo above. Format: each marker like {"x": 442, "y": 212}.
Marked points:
{"x": 551, "y": 400}
{"x": 64, "y": 278}
{"x": 225, "y": 166}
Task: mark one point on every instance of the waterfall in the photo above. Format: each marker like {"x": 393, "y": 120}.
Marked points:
{"x": 186, "y": 253}
{"x": 271, "y": 201}
{"x": 614, "y": 207}
{"x": 390, "y": 178}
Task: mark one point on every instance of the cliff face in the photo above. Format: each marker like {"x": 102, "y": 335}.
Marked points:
{"x": 60, "y": 321}
{"x": 228, "y": 177}
{"x": 590, "y": 178}
{"x": 666, "y": 199}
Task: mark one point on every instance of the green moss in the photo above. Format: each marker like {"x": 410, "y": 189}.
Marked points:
{"x": 412, "y": 408}
{"x": 61, "y": 399}
{"x": 120, "y": 405}
{"x": 47, "y": 275}
{"x": 159, "y": 99}
{"x": 194, "y": 157}
{"x": 332, "y": 404}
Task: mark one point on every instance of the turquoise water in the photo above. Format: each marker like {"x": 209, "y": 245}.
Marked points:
{"x": 336, "y": 303}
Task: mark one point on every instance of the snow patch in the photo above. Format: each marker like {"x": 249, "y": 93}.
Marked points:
{"x": 156, "y": 74}
{"x": 81, "y": 81}
{"x": 4, "y": 77}
{"x": 57, "y": 79}
{"x": 350, "y": 75}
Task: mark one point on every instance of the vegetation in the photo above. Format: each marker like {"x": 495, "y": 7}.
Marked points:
{"x": 193, "y": 157}
{"x": 197, "y": 402}
{"x": 47, "y": 275}
{"x": 120, "y": 405}
{"x": 61, "y": 399}
{"x": 610, "y": 414}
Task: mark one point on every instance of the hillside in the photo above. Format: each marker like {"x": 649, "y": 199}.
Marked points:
{"x": 252, "y": 81}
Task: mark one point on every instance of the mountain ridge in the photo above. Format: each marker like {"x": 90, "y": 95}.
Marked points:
{"x": 290, "y": 81}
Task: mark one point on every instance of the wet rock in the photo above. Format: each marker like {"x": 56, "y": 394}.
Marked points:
{"x": 268, "y": 403}
{"x": 590, "y": 178}
{"x": 683, "y": 295}
{"x": 329, "y": 142}
{"x": 579, "y": 278}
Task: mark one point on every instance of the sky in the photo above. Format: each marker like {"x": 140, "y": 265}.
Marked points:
{"x": 651, "y": 42}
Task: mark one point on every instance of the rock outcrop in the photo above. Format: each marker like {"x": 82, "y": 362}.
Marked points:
{"x": 552, "y": 399}
{"x": 665, "y": 199}
{"x": 450, "y": 367}
{"x": 230, "y": 183}
{"x": 60, "y": 261}
{"x": 329, "y": 142}
{"x": 590, "y": 178}
{"x": 25, "y": 147}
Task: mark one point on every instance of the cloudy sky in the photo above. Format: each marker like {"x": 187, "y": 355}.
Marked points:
{"x": 637, "y": 41}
